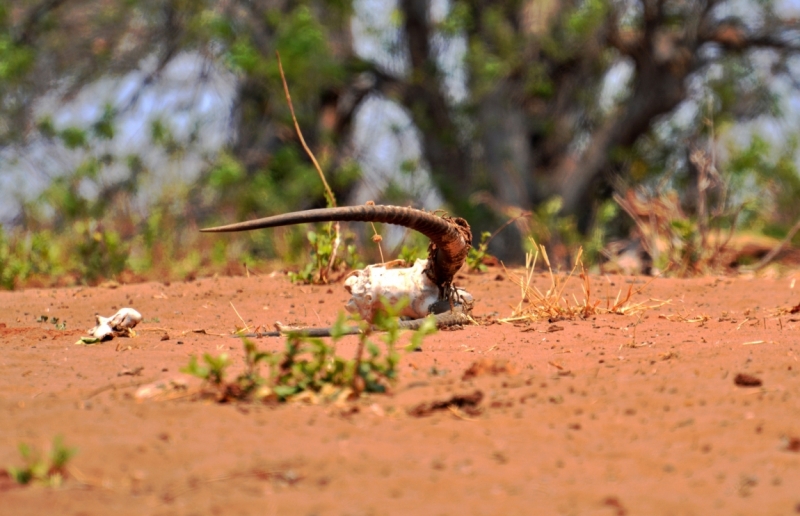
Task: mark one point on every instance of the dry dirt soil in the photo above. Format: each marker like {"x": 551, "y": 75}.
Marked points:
{"x": 690, "y": 408}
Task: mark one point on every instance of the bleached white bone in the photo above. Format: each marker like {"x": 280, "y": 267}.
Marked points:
{"x": 118, "y": 324}
{"x": 368, "y": 286}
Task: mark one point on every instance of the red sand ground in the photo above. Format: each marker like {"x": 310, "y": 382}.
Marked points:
{"x": 586, "y": 423}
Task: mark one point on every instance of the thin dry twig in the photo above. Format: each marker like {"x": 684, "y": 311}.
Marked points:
{"x": 246, "y": 327}
{"x": 334, "y": 248}
{"x": 328, "y": 192}
{"x": 85, "y": 480}
{"x": 777, "y": 249}
{"x": 686, "y": 318}
{"x": 452, "y": 408}
{"x": 506, "y": 224}
{"x": 377, "y": 238}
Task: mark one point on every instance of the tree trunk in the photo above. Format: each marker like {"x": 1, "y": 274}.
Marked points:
{"x": 654, "y": 93}
{"x": 506, "y": 159}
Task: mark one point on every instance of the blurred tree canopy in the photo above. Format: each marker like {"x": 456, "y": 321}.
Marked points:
{"x": 557, "y": 98}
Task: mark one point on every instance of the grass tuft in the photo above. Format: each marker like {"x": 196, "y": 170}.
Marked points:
{"x": 39, "y": 468}
{"x": 553, "y": 305}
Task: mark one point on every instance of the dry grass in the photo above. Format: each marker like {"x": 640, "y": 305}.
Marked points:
{"x": 553, "y": 305}
{"x": 678, "y": 242}
{"x": 687, "y": 318}
{"x": 788, "y": 310}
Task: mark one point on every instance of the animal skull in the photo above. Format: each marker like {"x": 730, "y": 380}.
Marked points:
{"x": 371, "y": 286}
{"x": 427, "y": 285}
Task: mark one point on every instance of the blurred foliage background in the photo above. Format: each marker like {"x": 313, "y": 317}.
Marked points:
{"x": 658, "y": 125}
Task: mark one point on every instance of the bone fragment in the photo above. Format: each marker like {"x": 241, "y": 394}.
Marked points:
{"x": 121, "y": 323}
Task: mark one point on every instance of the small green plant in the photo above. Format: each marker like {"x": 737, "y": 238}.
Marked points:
{"x": 325, "y": 371}
{"x": 323, "y": 244}
{"x": 212, "y": 370}
{"x": 310, "y": 366}
{"x": 477, "y": 255}
{"x": 49, "y": 470}
{"x": 557, "y": 232}
{"x": 410, "y": 254}
{"x": 103, "y": 253}
{"x": 55, "y": 321}
{"x": 26, "y": 255}
{"x": 560, "y": 235}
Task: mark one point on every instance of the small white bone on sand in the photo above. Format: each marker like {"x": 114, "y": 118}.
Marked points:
{"x": 121, "y": 323}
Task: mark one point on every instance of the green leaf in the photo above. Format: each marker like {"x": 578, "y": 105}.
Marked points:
{"x": 428, "y": 327}
{"x": 104, "y": 127}
{"x": 195, "y": 369}
{"x": 339, "y": 327}
{"x": 60, "y": 454}
{"x": 285, "y": 391}
{"x": 73, "y": 137}
{"x": 20, "y": 475}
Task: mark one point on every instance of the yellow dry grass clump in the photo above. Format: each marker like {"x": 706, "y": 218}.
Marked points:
{"x": 553, "y": 305}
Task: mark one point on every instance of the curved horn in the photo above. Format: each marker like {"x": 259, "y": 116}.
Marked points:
{"x": 450, "y": 238}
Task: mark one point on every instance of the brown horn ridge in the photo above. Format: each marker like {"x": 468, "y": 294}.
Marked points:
{"x": 451, "y": 237}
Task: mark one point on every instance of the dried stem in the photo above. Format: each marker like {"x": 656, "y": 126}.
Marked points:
{"x": 323, "y": 274}
{"x": 358, "y": 381}
{"x": 506, "y": 224}
{"x": 335, "y": 247}
{"x": 777, "y": 249}
{"x": 246, "y": 327}
{"x": 377, "y": 239}
{"x": 553, "y": 305}
{"x": 328, "y": 191}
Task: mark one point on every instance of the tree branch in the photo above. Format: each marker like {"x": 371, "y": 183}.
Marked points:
{"x": 33, "y": 21}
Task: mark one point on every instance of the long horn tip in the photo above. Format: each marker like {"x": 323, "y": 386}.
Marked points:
{"x": 219, "y": 229}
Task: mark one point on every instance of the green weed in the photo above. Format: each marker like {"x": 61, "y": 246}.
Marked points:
{"x": 310, "y": 366}
{"x": 212, "y": 371}
{"x": 476, "y": 255}
{"x": 48, "y": 470}
{"x": 410, "y": 254}
{"x": 55, "y": 321}
{"x": 323, "y": 245}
